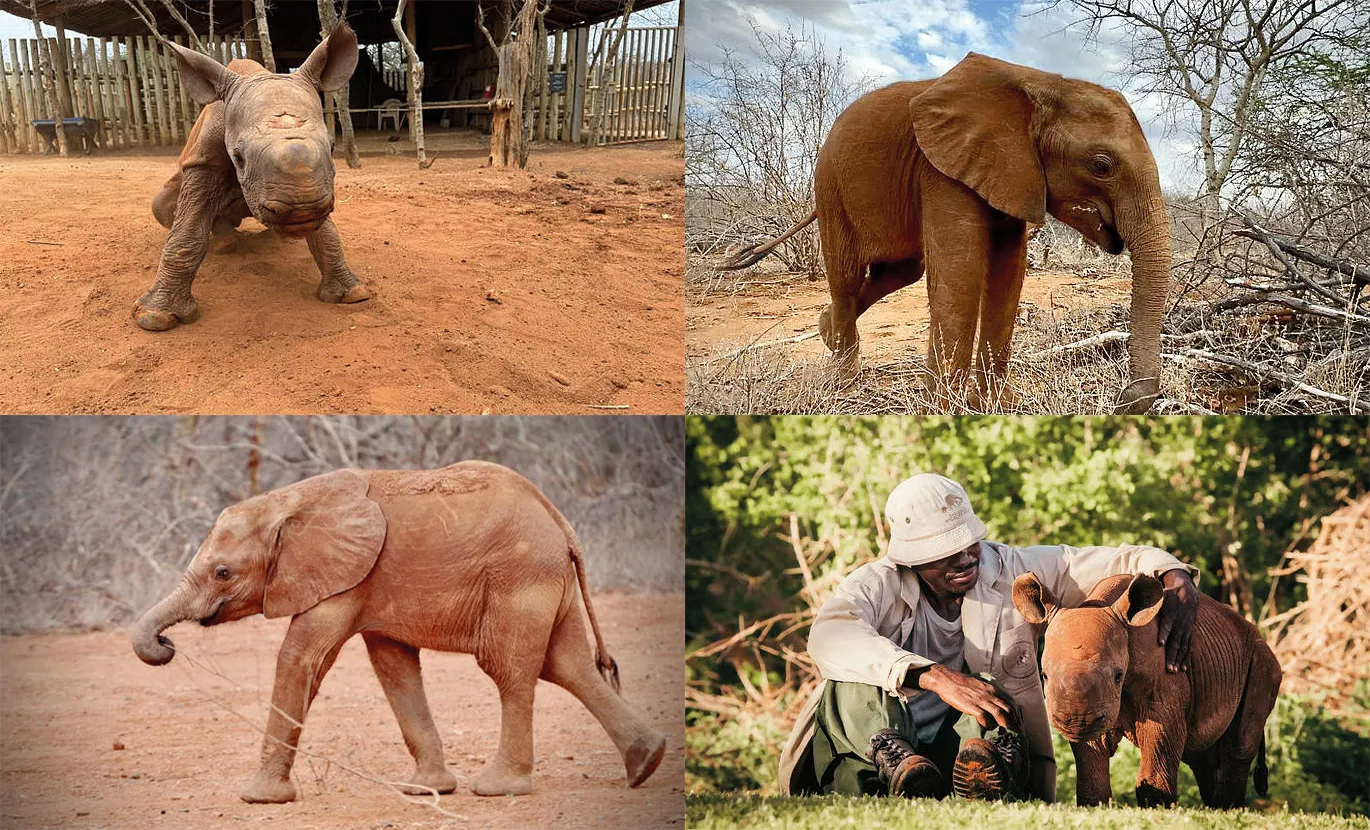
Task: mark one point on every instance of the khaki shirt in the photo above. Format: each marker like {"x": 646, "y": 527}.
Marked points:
{"x": 857, "y": 632}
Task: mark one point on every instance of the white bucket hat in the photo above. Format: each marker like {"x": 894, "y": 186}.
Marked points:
{"x": 930, "y": 518}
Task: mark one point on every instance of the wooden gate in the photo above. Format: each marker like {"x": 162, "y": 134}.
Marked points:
{"x": 639, "y": 86}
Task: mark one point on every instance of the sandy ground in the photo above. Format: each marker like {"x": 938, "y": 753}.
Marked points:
{"x": 503, "y": 291}
{"x": 190, "y": 741}
{"x": 761, "y": 308}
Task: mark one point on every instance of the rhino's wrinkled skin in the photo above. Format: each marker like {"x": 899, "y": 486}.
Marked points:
{"x": 262, "y": 148}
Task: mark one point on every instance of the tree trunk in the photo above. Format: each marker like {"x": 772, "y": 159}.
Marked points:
{"x": 508, "y": 142}
{"x": 45, "y": 68}
{"x": 415, "y": 83}
{"x": 328, "y": 20}
{"x": 264, "y": 37}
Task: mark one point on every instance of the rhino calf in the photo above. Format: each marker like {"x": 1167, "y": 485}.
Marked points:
{"x": 1105, "y": 677}
{"x": 262, "y": 148}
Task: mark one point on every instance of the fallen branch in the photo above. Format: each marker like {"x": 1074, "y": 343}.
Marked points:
{"x": 1359, "y": 275}
{"x": 1263, "y": 236}
{"x": 1267, "y": 374}
{"x": 765, "y": 344}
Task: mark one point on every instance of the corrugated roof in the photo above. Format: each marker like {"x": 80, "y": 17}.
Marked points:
{"x": 371, "y": 20}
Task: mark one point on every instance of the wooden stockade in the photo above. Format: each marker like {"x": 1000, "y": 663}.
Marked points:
{"x": 128, "y": 85}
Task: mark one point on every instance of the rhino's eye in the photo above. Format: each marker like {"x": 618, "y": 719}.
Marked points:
{"x": 1117, "y": 677}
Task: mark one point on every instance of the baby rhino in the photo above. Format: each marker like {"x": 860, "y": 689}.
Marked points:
{"x": 1105, "y": 677}
{"x": 262, "y": 148}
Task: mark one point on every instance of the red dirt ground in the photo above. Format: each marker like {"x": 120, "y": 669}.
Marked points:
{"x": 70, "y": 699}
{"x": 771, "y": 307}
{"x": 506, "y": 291}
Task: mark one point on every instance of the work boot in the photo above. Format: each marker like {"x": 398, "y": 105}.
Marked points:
{"x": 992, "y": 770}
{"x": 904, "y": 771}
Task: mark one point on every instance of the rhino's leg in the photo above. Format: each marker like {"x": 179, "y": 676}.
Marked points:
{"x": 164, "y": 203}
{"x": 1161, "y": 741}
{"x": 1092, "y": 784}
{"x": 339, "y": 284}
{"x": 168, "y": 302}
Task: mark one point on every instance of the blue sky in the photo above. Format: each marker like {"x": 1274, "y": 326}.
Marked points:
{"x": 890, "y": 40}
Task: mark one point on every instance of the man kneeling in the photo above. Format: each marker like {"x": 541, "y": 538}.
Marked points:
{"x": 896, "y": 639}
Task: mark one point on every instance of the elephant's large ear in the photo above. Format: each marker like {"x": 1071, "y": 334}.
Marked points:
{"x": 328, "y": 536}
{"x": 975, "y": 125}
{"x": 1033, "y": 599}
{"x": 1142, "y": 601}
{"x": 204, "y": 78}
{"x": 331, "y": 63}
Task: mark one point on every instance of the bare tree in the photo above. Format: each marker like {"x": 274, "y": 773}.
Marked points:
{"x": 415, "y": 83}
{"x": 509, "y": 108}
{"x": 752, "y": 140}
{"x": 264, "y": 36}
{"x": 1216, "y": 58}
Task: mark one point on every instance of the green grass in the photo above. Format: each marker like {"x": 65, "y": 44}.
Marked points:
{"x": 716, "y": 811}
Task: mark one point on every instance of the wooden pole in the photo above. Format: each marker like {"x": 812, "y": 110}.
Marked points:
{"x": 580, "y": 73}
{"x": 264, "y": 36}
{"x": 162, "y": 114}
{"x": 9, "y": 137}
{"x": 62, "y": 72}
{"x": 135, "y": 94}
{"x": 97, "y": 92}
{"x": 676, "y": 120}
{"x": 44, "y": 64}
{"x": 25, "y": 96}
{"x": 415, "y": 81}
{"x": 328, "y": 20}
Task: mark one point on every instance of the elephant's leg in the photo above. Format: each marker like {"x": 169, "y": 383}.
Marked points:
{"x": 311, "y": 645}
{"x": 1161, "y": 742}
{"x": 570, "y": 664}
{"x": 999, "y": 308}
{"x": 846, "y": 276}
{"x": 886, "y": 278}
{"x": 956, "y": 241}
{"x": 339, "y": 284}
{"x": 397, "y": 667}
{"x": 1092, "y": 785}
{"x": 512, "y": 646}
{"x": 169, "y": 302}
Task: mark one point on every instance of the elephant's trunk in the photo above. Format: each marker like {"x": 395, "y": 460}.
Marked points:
{"x": 148, "y": 643}
{"x": 1146, "y": 233}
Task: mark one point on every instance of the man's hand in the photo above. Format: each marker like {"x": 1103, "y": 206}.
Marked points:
{"x": 967, "y": 694}
{"x": 1175, "y": 623}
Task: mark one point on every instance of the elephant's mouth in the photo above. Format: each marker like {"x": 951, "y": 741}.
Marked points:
{"x": 1112, "y": 242}
{"x": 213, "y": 617}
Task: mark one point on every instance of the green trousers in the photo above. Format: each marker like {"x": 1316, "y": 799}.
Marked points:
{"x": 850, "y": 713}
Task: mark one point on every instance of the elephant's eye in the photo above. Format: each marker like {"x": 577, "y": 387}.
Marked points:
{"x": 238, "y": 157}
{"x": 221, "y": 573}
{"x": 1100, "y": 165}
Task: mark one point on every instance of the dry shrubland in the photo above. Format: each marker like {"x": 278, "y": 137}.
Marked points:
{"x": 99, "y": 516}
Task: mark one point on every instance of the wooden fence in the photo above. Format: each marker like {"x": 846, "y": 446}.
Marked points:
{"x": 129, "y": 86}
{"x": 638, "y": 86}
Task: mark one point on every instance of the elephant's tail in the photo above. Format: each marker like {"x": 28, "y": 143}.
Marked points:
{"x": 606, "y": 665}
{"x": 1262, "y": 776}
{"x": 757, "y": 251}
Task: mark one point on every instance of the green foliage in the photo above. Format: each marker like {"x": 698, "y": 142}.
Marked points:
{"x": 731, "y": 753}
{"x": 1315, "y": 761}
{"x": 721, "y": 812}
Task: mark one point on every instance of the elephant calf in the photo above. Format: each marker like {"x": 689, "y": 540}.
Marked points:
{"x": 1105, "y": 677}
{"x": 262, "y": 148}
{"x": 470, "y": 558}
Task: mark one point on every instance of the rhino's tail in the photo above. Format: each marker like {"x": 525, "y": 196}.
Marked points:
{"x": 1262, "y": 777}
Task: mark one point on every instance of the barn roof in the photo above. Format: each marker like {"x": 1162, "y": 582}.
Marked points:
{"x": 370, "y": 20}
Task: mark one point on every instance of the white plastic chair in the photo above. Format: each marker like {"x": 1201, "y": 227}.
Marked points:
{"x": 392, "y": 108}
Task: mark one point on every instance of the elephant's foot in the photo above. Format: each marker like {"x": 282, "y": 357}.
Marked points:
{"x": 349, "y": 290}
{"x": 825, "y": 328}
{"x": 422, "y": 781}
{"x": 643, "y": 756}
{"x": 156, "y": 312}
{"x": 266, "y": 788}
{"x": 1137, "y": 397}
{"x": 496, "y": 779}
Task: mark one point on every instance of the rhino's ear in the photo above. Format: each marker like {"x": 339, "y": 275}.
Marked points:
{"x": 1033, "y": 599}
{"x": 331, "y": 63}
{"x": 1142, "y": 601}
{"x": 204, "y": 78}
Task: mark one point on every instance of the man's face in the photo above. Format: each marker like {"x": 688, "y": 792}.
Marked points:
{"x": 953, "y": 575}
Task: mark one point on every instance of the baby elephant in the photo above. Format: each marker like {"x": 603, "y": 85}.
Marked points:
{"x": 470, "y": 558}
{"x": 1105, "y": 677}
{"x": 262, "y": 148}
